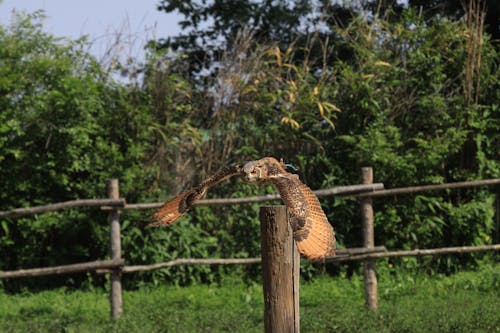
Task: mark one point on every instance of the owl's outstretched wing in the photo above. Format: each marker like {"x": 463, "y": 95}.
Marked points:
{"x": 173, "y": 209}
{"x": 314, "y": 235}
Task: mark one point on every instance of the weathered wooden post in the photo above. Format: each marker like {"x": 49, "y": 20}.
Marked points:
{"x": 370, "y": 273}
{"x": 115, "y": 296}
{"x": 280, "y": 271}
{"x": 497, "y": 214}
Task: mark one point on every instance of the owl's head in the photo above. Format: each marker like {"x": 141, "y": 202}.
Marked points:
{"x": 264, "y": 170}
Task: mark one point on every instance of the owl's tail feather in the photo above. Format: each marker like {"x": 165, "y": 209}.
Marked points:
{"x": 173, "y": 209}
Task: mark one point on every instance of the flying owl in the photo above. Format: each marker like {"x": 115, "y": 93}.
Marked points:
{"x": 312, "y": 232}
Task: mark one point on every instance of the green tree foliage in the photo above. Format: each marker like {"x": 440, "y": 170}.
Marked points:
{"x": 415, "y": 98}
{"x": 405, "y": 90}
{"x": 456, "y": 9}
{"x": 64, "y": 129}
{"x": 209, "y": 26}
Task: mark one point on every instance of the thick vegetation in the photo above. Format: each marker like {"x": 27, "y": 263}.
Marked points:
{"x": 413, "y": 95}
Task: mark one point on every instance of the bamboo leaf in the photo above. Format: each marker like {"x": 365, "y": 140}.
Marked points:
{"x": 321, "y": 109}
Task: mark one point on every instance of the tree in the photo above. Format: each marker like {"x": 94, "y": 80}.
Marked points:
{"x": 209, "y": 26}
{"x": 402, "y": 81}
{"x": 64, "y": 129}
{"x": 456, "y": 9}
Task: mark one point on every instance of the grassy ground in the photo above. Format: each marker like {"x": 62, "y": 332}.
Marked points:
{"x": 464, "y": 302}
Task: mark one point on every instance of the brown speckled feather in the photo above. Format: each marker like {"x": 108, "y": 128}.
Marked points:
{"x": 312, "y": 232}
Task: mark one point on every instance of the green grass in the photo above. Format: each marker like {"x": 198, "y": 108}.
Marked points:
{"x": 464, "y": 302}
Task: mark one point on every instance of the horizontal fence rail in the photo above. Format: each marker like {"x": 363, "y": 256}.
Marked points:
{"x": 65, "y": 269}
{"x": 110, "y": 204}
{"x": 358, "y": 191}
{"x": 186, "y": 261}
{"x": 63, "y": 205}
{"x": 339, "y": 190}
{"x": 341, "y": 254}
{"x": 424, "y": 188}
{"x": 107, "y": 266}
{"x": 353, "y": 254}
{"x": 418, "y": 252}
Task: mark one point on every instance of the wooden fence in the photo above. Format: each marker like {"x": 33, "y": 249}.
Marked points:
{"x": 369, "y": 253}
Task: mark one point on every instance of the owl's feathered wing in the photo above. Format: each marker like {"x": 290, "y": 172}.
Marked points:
{"x": 173, "y": 209}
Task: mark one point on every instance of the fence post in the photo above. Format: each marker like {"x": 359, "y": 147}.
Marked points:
{"x": 280, "y": 271}
{"x": 115, "y": 297}
{"x": 370, "y": 275}
{"x": 497, "y": 214}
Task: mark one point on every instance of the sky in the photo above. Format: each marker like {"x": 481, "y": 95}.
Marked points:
{"x": 135, "y": 21}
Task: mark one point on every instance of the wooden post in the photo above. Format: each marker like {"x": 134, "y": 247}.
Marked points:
{"x": 115, "y": 296}
{"x": 497, "y": 214}
{"x": 280, "y": 271}
{"x": 370, "y": 274}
